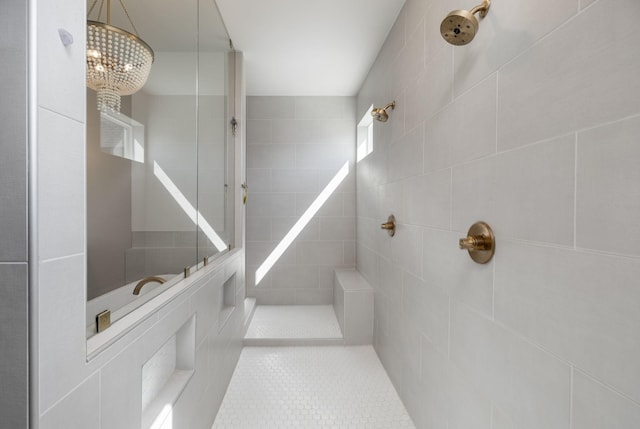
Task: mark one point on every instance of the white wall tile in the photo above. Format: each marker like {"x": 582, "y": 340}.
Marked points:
{"x": 465, "y": 130}
{"x": 427, "y": 308}
{"x": 270, "y": 108}
{"x": 339, "y": 228}
{"x": 61, "y": 69}
{"x": 323, "y": 108}
{"x": 303, "y": 156}
{"x": 432, "y": 89}
{"x": 582, "y": 307}
{"x": 405, "y": 248}
{"x": 320, "y": 252}
{"x": 531, "y": 384}
{"x": 508, "y": 30}
{"x": 80, "y": 409}
{"x": 405, "y": 157}
{"x": 468, "y": 408}
{"x": 258, "y": 131}
{"x": 313, "y": 131}
{"x": 410, "y": 62}
{"x": 427, "y": 199}
{"x": 318, "y": 156}
{"x": 573, "y": 78}
{"x": 608, "y": 184}
{"x": 434, "y": 393}
{"x": 596, "y": 406}
{"x": 259, "y": 228}
{"x": 124, "y": 373}
{"x": 62, "y": 350}
{"x": 296, "y": 276}
{"x": 446, "y": 266}
{"x": 61, "y": 187}
{"x": 295, "y": 180}
{"x": 205, "y": 303}
{"x": 501, "y": 420}
{"x": 509, "y": 192}
{"x": 313, "y": 296}
{"x": 284, "y": 225}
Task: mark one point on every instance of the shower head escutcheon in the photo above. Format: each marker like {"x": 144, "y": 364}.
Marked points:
{"x": 461, "y": 26}
{"x": 380, "y": 113}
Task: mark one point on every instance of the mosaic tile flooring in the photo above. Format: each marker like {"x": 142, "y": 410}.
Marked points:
{"x": 294, "y": 322}
{"x": 311, "y": 387}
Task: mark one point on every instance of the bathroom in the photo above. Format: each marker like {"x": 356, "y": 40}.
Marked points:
{"x": 532, "y": 127}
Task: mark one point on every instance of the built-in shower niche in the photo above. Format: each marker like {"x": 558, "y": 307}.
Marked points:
{"x": 165, "y": 375}
{"x": 227, "y": 300}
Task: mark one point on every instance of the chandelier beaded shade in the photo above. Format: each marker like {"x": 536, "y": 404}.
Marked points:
{"x": 118, "y": 62}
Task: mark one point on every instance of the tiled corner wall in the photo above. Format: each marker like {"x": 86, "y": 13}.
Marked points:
{"x": 534, "y": 128}
{"x": 14, "y": 316}
{"x": 70, "y": 390}
{"x": 295, "y": 146}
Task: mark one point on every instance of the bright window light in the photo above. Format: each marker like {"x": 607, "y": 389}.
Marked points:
{"x": 301, "y": 223}
{"x": 365, "y": 136}
{"x": 193, "y": 214}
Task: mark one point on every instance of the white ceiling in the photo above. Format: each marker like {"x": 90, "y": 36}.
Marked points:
{"x": 291, "y": 47}
{"x": 304, "y": 47}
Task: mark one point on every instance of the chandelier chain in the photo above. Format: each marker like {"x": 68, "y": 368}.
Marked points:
{"x": 126, "y": 12}
{"x": 92, "y": 6}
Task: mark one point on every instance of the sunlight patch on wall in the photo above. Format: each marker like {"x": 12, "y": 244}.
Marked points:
{"x": 301, "y": 223}
{"x": 193, "y": 214}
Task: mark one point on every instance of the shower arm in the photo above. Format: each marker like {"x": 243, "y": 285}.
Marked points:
{"x": 482, "y": 8}
{"x": 392, "y": 105}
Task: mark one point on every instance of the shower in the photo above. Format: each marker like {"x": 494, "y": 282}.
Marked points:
{"x": 380, "y": 113}
{"x": 461, "y": 26}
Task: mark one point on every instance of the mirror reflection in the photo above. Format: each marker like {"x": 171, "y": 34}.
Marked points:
{"x": 158, "y": 167}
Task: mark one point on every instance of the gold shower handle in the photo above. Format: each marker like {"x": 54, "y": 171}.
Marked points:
{"x": 390, "y": 225}
{"x": 479, "y": 242}
{"x": 476, "y": 242}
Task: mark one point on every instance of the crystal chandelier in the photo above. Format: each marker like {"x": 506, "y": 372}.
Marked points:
{"x": 118, "y": 62}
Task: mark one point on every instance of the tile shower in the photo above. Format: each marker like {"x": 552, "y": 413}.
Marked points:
{"x": 533, "y": 128}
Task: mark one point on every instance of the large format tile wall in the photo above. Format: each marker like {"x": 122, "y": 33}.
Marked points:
{"x": 14, "y": 327}
{"x": 70, "y": 390}
{"x": 534, "y": 128}
{"x": 295, "y": 146}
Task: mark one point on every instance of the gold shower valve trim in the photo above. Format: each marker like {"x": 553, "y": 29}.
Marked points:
{"x": 390, "y": 225}
{"x": 480, "y": 242}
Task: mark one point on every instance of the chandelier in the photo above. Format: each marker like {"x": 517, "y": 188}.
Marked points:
{"x": 118, "y": 62}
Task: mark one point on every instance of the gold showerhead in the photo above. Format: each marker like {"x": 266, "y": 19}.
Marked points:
{"x": 380, "y": 113}
{"x": 460, "y": 26}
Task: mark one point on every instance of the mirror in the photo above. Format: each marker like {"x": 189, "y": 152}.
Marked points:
{"x": 158, "y": 171}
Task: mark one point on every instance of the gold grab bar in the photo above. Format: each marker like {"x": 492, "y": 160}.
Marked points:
{"x": 146, "y": 280}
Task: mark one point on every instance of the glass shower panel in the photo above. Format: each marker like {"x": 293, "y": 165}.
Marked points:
{"x": 164, "y": 191}
{"x": 214, "y": 104}
{"x": 159, "y": 203}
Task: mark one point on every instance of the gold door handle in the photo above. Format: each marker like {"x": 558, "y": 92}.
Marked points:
{"x": 246, "y": 193}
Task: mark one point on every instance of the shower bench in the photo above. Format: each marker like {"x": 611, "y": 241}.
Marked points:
{"x": 353, "y": 305}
